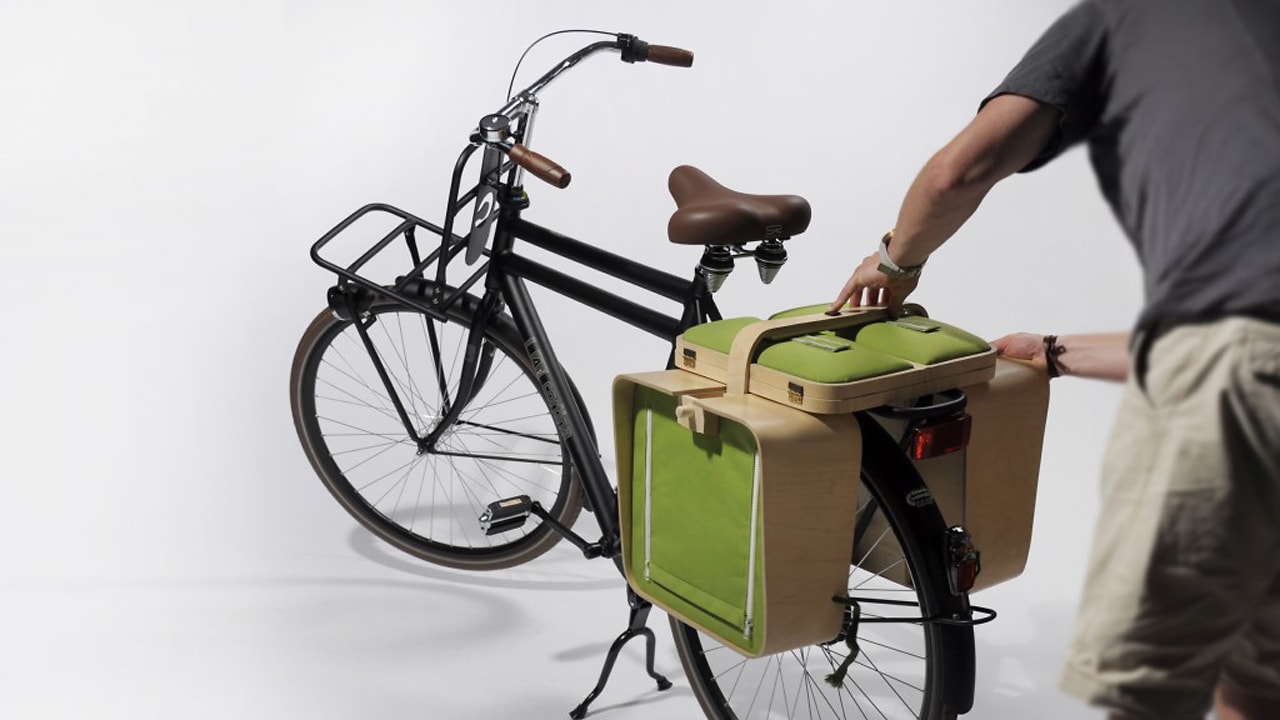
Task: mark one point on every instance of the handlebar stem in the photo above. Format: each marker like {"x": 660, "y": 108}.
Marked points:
{"x": 525, "y": 132}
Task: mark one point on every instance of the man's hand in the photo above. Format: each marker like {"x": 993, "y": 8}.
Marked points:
{"x": 868, "y": 286}
{"x": 1027, "y": 347}
{"x": 1104, "y": 356}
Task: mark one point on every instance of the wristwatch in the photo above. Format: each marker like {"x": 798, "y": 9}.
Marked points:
{"x": 892, "y": 269}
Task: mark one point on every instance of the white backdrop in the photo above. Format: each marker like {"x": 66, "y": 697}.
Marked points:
{"x": 167, "y": 551}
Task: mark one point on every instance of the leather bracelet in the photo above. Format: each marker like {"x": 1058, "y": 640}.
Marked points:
{"x": 1051, "y": 352}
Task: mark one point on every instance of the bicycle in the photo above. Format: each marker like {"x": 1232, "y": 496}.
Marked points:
{"x": 423, "y": 405}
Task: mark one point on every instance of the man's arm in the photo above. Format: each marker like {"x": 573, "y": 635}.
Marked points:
{"x": 1104, "y": 356}
{"x": 1005, "y": 136}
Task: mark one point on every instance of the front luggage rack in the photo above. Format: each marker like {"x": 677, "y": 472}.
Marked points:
{"x": 404, "y": 286}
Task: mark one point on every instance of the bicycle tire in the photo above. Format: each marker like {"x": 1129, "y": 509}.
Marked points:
{"x": 369, "y": 464}
{"x": 900, "y": 669}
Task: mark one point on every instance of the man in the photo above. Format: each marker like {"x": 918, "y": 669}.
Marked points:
{"x": 1179, "y": 102}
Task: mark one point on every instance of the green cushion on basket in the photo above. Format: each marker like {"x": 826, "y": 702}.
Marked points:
{"x": 827, "y": 358}
{"x": 717, "y": 335}
{"x": 920, "y": 339}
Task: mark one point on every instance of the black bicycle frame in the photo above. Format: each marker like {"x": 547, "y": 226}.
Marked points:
{"x": 506, "y": 275}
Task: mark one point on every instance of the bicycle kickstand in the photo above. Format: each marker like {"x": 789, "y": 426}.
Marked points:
{"x": 636, "y": 627}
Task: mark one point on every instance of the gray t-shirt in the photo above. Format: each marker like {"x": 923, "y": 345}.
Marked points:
{"x": 1179, "y": 101}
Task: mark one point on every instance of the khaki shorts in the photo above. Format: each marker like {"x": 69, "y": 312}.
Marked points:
{"x": 1184, "y": 577}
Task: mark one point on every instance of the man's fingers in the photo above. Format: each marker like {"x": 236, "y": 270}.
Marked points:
{"x": 1019, "y": 346}
{"x": 846, "y": 295}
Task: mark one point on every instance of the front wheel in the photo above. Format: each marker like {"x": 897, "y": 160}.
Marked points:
{"x": 426, "y": 502}
{"x": 898, "y": 673}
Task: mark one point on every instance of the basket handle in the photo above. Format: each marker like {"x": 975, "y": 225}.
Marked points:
{"x": 742, "y": 352}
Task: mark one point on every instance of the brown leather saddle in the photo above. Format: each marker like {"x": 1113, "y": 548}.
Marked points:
{"x": 709, "y": 213}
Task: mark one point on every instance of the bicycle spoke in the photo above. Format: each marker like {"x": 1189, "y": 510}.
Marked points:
{"x": 873, "y": 547}
{"x": 864, "y": 641}
{"x": 404, "y": 360}
{"x": 489, "y": 438}
{"x": 756, "y": 695}
{"x": 417, "y": 502}
{"x": 411, "y": 408}
{"x": 362, "y": 431}
{"x": 394, "y": 485}
{"x": 516, "y": 481}
{"x": 336, "y": 453}
{"x": 369, "y": 459}
{"x": 870, "y": 701}
{"x": 870, "y": 665}
{"x": 404, "y": 482}
{"x": 356, "y": 400}
{"x": 773, "y": 691}
{"x": 473, "y": 501}
{"x": 433, "y": 351}
{"x": 356, "y": 376}
{"x": 483, "y": 467}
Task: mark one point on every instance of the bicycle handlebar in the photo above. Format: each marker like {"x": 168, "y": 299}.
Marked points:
{"x": 633, "y": 50}
{"x": 541, "y": 166}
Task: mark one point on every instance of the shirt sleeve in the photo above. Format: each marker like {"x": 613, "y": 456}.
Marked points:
{"x": 1065, "y": 68}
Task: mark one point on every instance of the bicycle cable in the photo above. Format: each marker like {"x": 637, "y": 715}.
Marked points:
{"x": 511, "y": 85}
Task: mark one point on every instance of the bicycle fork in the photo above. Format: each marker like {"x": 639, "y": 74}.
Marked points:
{"x": 477, "y": 362}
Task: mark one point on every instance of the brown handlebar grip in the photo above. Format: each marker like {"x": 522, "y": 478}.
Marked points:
{"x": 541, "y": 167}
{"x": 665, "y": 55}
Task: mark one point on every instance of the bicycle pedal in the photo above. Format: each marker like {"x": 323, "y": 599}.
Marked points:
{"x": 506, "y": 515}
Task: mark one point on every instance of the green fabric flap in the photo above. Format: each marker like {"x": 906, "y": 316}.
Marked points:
{"x": 731, "y": 613}
{"x": 921, "y": 340}
{"x": 815, "y": 358}
{"x": 718, "y": 335}
{"x": 699, "y": 521}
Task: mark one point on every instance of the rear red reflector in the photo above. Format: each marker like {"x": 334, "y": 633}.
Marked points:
{"x": 965, "y": 560}
{"x": 939, "y": 437}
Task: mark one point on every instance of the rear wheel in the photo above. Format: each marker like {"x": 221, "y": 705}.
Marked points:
{"x": 428, "y": 503}
{"x": 898, "y": 671}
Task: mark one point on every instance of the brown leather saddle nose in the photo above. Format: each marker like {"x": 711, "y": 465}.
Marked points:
{"x": 711, "y": 214}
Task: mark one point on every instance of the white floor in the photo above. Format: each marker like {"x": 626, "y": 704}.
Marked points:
{"x": 291, "y": 610}
{"x": 166, "y": 552}
{"x": 356, "y": 632}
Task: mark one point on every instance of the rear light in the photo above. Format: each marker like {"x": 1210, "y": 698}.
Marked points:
{"x": 964, "y": 562}
{"x": 932, "y": 438}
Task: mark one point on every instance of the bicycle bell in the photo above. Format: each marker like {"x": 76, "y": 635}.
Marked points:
{"x": 495, "y": 128}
